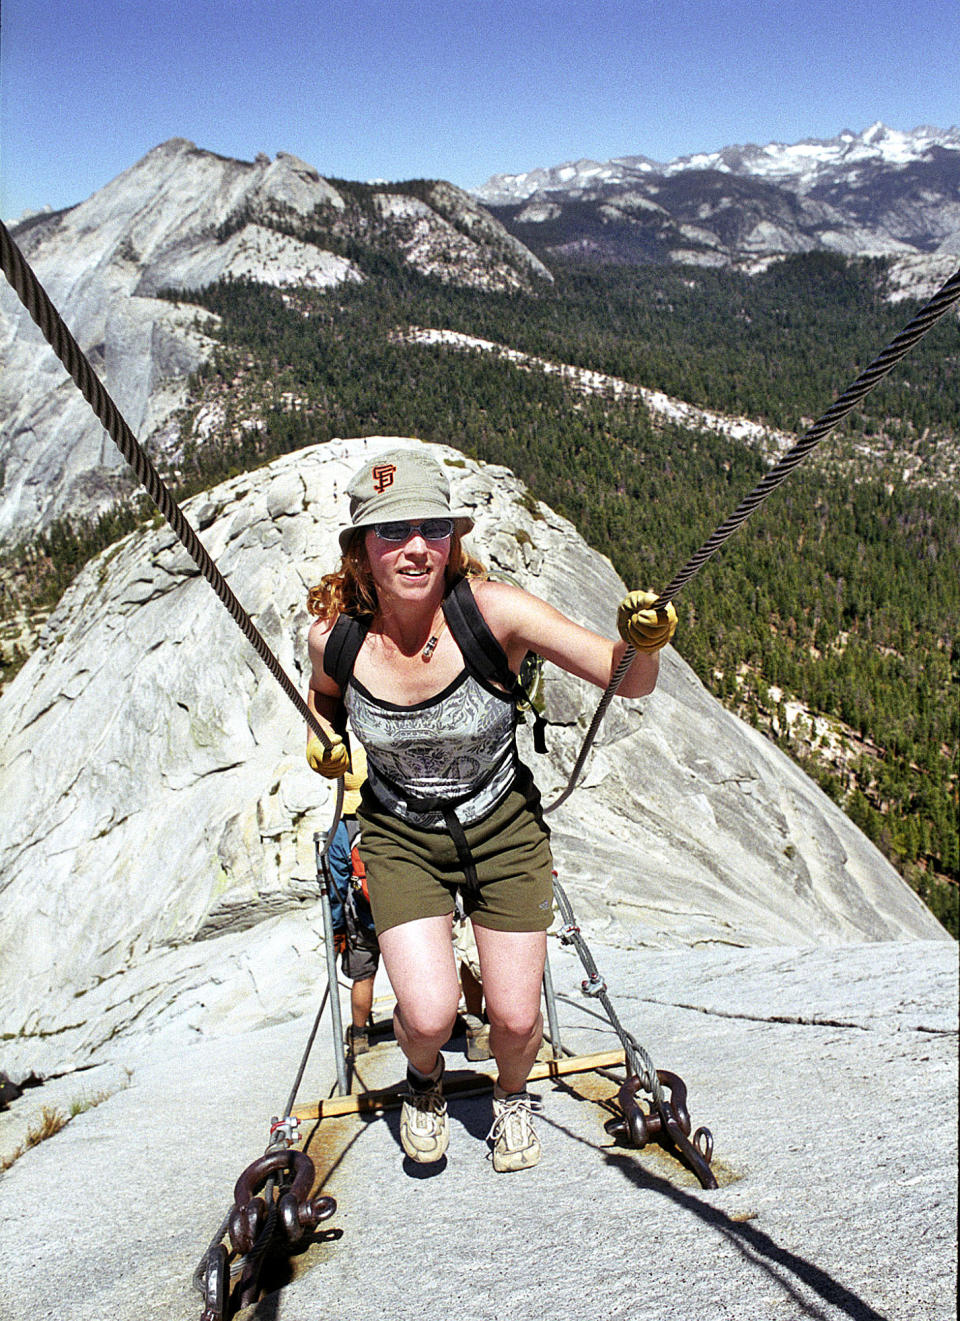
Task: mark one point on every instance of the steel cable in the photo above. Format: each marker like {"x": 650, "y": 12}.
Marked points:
{"x": 896, "y": 350}
{"x": 639, "y": 1062}
{"x": 34, "y": 298}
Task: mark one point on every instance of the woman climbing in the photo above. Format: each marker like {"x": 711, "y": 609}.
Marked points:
{"x": 447, "y": 805}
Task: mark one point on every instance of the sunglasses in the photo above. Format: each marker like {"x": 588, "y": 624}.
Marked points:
{"x": 431, "y": 529}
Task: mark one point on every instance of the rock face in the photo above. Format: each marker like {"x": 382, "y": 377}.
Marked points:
{"x": 876, "y": 192}
{"x": 179, "y": 219}
{"x": 158, "y": 816}
{"x": 827, "y": 1076}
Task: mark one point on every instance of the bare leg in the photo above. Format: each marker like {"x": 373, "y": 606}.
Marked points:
{"x": 361, "y": 1001}
{"x": 511, "y": 965}
{"x": 418, "y": 957}
{"x": 472, "y": 991}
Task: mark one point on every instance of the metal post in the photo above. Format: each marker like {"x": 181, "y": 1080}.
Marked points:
{"x": 339, "y": 1052}
{"x": 552, "y": 1022}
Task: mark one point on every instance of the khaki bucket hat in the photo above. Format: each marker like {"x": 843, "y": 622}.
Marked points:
{"x": 398, "y": 485}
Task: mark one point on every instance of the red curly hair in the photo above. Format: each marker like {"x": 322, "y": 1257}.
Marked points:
{"x": 351, "y": 588}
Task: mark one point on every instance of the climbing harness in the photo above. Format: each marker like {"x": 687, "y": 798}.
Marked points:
{"x": 485, "y": 661}
{"x": 885, "y": 361}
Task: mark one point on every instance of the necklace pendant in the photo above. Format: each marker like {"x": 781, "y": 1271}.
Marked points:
{"x": 429, "y": 648}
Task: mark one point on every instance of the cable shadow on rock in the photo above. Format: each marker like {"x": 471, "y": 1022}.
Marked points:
{"x": 279, "y": 1270}
{"x": 752, "y": 1243}
{"x": 756, "y": 1246}
{"x": 328, "y": 1158}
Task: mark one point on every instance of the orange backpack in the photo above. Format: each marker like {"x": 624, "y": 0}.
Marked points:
{"x": 358, "y": 877}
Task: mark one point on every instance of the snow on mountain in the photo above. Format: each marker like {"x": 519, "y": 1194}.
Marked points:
{"x": 182, "y": 218}
{"x": 801, "y": 165}
{"x": 882, "y": 192}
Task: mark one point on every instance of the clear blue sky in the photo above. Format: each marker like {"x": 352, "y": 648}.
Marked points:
{"x": 456, "y": 89}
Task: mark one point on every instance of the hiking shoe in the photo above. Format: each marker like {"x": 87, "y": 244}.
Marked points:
{"x": 424, "y": 1132}
{"x": 478, "y": 1038}
{"x": 515, "y": 1144}
{"x": 358, "y": 1040}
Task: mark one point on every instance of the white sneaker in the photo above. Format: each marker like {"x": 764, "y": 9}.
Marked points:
{"x": 424, "y": 1131}
{"x": 515, "y": 1144}
{"x": 478, "y": 1038}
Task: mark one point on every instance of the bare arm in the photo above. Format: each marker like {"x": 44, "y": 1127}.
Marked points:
{"x": 323, "y": 695}
{"x": 521, "y": 623}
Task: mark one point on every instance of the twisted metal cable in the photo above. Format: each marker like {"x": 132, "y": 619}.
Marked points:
{"x": 252, "y": 1261}
{"x": 896, "y": 350}
{"x": 35, "y": 299}
{"x": 306, "y": 1055}
{"x": 638, "y": 1061}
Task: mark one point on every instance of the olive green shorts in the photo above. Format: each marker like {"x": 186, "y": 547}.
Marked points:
{"x": 414, "y": 873}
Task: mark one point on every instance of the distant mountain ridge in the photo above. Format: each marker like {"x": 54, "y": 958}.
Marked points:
{"x": 181, "y": 218}
{"x": 802, "y": 164}
{"x": 882, "y": 191}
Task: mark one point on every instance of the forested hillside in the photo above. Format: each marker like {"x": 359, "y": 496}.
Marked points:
{"x": 830, "y": 621}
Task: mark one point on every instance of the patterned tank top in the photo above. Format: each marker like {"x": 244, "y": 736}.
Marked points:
{"x": 458, "y": 746}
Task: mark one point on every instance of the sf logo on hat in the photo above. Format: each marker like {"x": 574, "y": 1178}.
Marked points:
{"x": 383, "y": 476}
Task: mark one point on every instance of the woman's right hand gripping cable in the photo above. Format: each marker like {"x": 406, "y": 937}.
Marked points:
{"x": 329, "y": 762}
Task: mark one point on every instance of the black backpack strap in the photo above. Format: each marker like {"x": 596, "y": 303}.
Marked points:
{"x": 342, "y": 646}
{"x": 482, "y": 653}
{"x": 484, "y": 656}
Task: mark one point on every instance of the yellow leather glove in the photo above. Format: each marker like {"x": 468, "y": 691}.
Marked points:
{"x": 329, "y": 762}
{"x": 645, "y": 629}
{"x": 356, "y": 773}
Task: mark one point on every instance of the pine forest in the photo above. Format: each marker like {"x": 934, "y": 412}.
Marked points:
{"x": 829, "y": 621}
